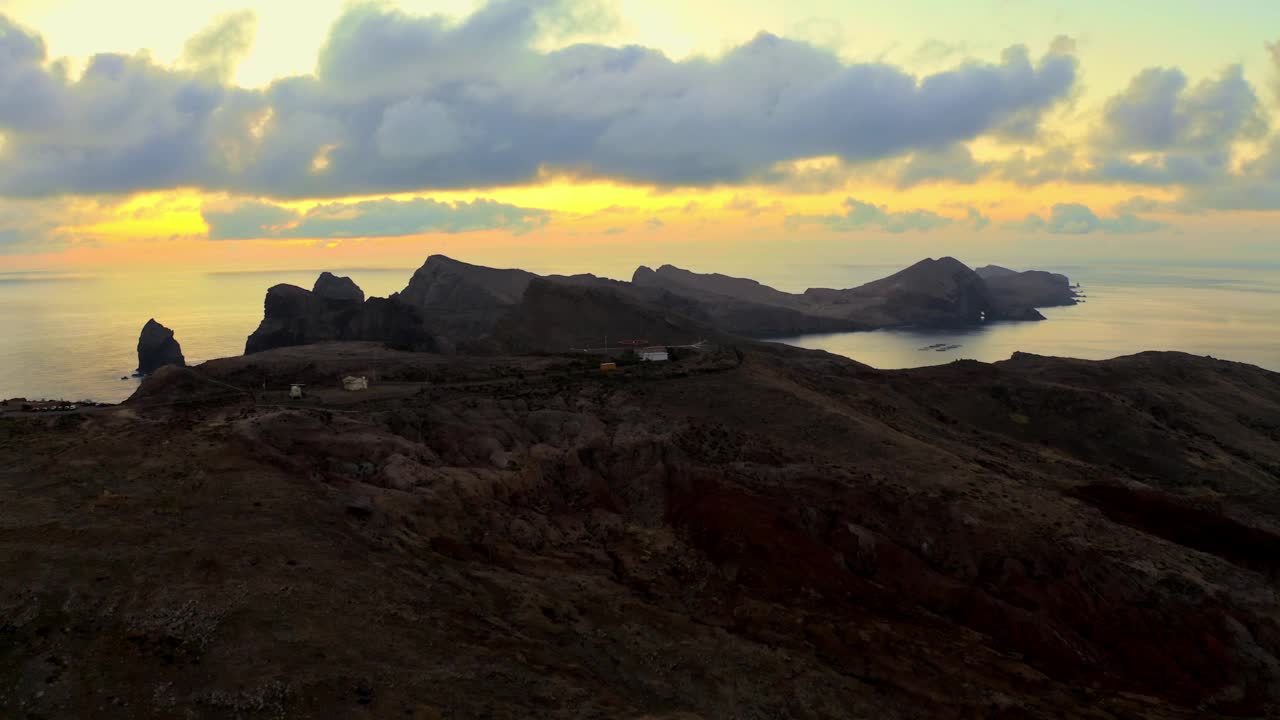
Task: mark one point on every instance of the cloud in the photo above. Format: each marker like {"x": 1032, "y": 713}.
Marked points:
{"x": 976, "y": 219}
{"x": 1255, "y": 187}
{"x": 45, "y": 225}
{"x": 1077, "y": 219}
{"x": 1159, "y": 112}
{"x": 1160, "y": 169}
{"x": 246, "y": 220}
{"x": 219, "y": 48}
{"x": 953, "y": 164}
{"x": 935, "y": 51}
{"x": 1139, "y": 204}
{"x": 125, "y": 124}
{"x": 417, "y": 129}
{"x": 1162, "y": 131}
{"x": 859, "y": 215}
{"x": 405, "y": 103}
{"x": 370, "y": 218}
{"x": 750, "y": 206}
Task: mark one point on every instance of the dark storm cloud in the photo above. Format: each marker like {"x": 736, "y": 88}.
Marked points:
{"x": 371, "y": 218}
{"x": 400, "y": 102}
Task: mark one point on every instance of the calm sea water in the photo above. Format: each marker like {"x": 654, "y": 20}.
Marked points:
{"x": 73, "y": 336}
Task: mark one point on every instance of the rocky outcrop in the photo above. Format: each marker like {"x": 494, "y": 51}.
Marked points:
{"x": 1027, "y": 289}
{"x": 294, "y": 316}
{"x": 157, "y": 348}
{"x": 462, "y": 301}
{"x": 333, "y": 287}
{"x": 447, "y": 284}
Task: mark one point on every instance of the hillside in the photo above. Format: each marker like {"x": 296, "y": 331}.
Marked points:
{"x": 784, "y": 534}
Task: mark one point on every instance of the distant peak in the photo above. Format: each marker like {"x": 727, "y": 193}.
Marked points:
{"x": 445, "y": 262}
{"x": 946, "y": 262}
{"x": 438, "y": 261}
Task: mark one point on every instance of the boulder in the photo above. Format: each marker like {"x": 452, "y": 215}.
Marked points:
{"x": 157, "y": 348}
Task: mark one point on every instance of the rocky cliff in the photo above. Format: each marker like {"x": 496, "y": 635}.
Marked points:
{"x": 157, "y": 348}
{"x": 1030, "y": 288}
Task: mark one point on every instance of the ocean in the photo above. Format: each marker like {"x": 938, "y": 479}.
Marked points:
{"x": 73, "y": 336}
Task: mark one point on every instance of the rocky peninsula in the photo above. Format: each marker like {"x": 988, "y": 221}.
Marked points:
{"x": 451, "y": 306}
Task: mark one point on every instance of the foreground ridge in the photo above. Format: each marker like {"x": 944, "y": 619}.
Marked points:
{"x": 530, "y": 537}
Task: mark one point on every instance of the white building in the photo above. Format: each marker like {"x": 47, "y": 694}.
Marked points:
{"x": 655, "y": 354}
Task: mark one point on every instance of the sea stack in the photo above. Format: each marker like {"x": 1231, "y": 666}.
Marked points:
{"x": 157, "y": 348}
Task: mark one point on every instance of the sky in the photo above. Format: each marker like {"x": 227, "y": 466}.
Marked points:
{"x": 562, "y": 133}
